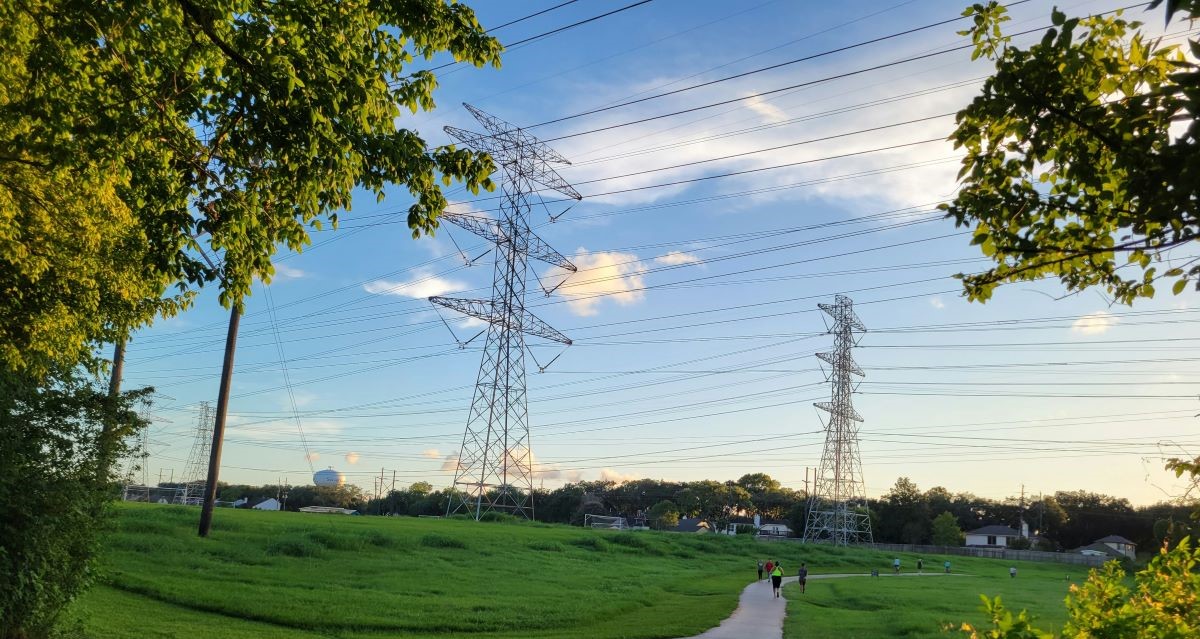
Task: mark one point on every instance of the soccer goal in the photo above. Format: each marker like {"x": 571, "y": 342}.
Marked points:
{"x": 603, "y": 521}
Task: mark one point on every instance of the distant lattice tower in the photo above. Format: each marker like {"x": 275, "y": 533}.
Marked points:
{"x": 195, "y": 473}
{"x": 837, "y": 507}
{"x": 134, "y": 475}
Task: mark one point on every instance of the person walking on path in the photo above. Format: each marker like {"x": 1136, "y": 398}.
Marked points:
{"x": 776, "y": 578}
{"x": 802, "y": 577}
{"x": 760, "y": 569}
{"x": 947, "y": 566}
{"x": 896, "y": 565}
{"x": 920, "y": 565}
{"x": 1012, "y": 572}
{"x": 770, "y": 567}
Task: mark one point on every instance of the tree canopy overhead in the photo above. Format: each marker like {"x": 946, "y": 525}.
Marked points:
{"x": 1083, "y": 156}
{"x": 134, "y": 134}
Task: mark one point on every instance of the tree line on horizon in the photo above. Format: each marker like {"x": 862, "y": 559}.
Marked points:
{"x": 905, "y": 514}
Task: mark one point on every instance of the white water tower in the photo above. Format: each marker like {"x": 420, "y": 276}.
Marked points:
{"x": 329, "y": 478}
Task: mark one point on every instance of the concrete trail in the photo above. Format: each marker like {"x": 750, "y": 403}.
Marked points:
{"x": 760, "y": 615}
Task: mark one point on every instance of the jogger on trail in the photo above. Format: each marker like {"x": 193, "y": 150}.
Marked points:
{"x": 760, "y": 569}
{"x": 770, "y": 567}
{"x": 896, "y": 565}
{"x": 802, "y": 577}
{"x": 776, "y": 578}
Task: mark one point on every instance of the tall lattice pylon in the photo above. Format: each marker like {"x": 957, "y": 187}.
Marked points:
{"x": 195, "y": 473}
{"x": 837, "y": 507}
{"x": 495, "y": 464}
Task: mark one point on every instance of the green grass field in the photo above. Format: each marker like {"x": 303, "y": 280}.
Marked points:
{"x": 920, "y": 607}
{"x": 269, "y": 574}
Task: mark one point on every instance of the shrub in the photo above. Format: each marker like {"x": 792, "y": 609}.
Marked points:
{"x": 57, "y": 443}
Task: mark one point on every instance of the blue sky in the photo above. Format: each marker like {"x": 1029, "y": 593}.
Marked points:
{"x": 694, "y": 311}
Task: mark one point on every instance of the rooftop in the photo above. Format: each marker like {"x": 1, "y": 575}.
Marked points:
{"x": 999, "y": 531}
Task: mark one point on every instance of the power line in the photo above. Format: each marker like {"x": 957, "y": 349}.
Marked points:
{"x": 772, "y": 67}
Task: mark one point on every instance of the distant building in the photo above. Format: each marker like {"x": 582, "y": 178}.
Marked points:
{"x": 992, "y": 536}
{"x": 1112, "y": 546}
{"x": 775, "y": 528}
{"x": 692, "y": 525}
{"x": 328, "y": 510}
{"x": 268, "y": 504}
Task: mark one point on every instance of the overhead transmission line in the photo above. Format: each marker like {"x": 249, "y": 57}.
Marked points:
{"x": 545, "y": 34}
{"x": 771, "y": 67}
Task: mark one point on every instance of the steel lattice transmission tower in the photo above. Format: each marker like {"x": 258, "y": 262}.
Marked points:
{"x": 495, "y": 469}
{"x": 837, "y": 507}
{"x": 195, "y": 473}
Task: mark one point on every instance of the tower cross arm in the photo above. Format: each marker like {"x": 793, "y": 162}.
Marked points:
{"x": 844, "y": 411}
{"x": 540, "y": 250}
{"x": 846, "y": 363}
{"x": 486, "y": 228}
{"x": 479, "y": 309}
{"x": 486, "y": 310}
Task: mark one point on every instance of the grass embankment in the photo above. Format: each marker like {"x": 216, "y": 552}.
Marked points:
{"x": 266, "y": 574}
{"x": 920, "y": 606}
{"x": 263, "y": 575}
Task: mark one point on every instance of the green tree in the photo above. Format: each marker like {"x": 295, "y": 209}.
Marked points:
{"x": 1164, "y": 602}
{"x": 133, "y": 133}
{"x": 664, "y": 515}
{"x": 946, "y": 531}
{"x": 1071, "y": 169}
{"x": 758, "y": 482}
{"x": 904, "y": 514}
{"x": 55, "y": 486}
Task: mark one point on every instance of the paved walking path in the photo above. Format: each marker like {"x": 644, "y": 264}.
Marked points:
{"x": 760, "y": 616}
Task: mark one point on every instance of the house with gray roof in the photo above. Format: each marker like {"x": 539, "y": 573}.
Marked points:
{"x": 991, "y": 536}
{"x": 1112, "y": 546}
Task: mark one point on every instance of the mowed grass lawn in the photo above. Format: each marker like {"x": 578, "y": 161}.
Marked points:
{"x": 920, "y": 606}
{"x": 273, "y": 574}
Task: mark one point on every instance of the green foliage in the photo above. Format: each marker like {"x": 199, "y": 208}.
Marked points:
{"x": 1004, "y": 625}
{"x": 664, "y": 515}
{"x": 55, "y": 484}
{"x": 1164, "y": 603}
{"x": 946, "y": 531}
{"x": 1070, "y": 168}
{"x": 131, "y": 134}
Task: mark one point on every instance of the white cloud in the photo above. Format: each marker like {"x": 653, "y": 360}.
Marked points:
{"x": 285, "y": 272}
{"x": 431, "y": 453}
{"x": 352, "y": 458}
{"x": 451, "y": 463}
{"x": 602, "y": 276}
{"x": 419, "y": 286}
{"x": 312, "y": 456}
{"x": 768, "y": 111}
{"x": 677, "y": 257}
{"x": 608, "y": 474}
{"x": 937, "y": 302}
{"x": 1094, "y": 323}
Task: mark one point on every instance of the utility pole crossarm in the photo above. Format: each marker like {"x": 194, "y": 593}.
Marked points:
{"x": 485, "y": 310}
{"x": 492, "y": 231}
{"x": 479, "y": 309}
{"x": 844, "y": 411}
{"x": 848, "y": 363}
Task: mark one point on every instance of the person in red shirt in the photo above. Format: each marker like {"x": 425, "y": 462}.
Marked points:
{"x": 769, "y": 566}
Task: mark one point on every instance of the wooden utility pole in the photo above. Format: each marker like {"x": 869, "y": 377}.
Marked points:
{"x": 214, "y": 456}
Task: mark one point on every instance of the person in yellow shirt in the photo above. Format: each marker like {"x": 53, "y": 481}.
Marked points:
{"x": 776, "y": 577}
